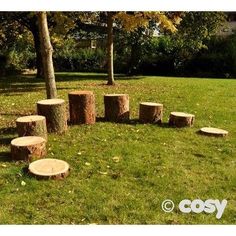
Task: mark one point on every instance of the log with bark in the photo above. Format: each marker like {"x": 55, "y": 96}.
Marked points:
{"x": 181, "y": 119}
{"x": 49, "y": 169}
{"x": 82, "y": 107}
{"x": 116, "y": 107}
{"x": 150, "y": 112}
{"x": 55, "y": 112}
{"x": 28, "y": 148}
{"x": 32, "y": 126}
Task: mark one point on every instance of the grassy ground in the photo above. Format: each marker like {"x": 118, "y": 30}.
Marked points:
{"x": 152, "y": 163}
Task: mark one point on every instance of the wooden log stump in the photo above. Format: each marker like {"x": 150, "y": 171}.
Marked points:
{"x": 55, "y": 112}
{"x": 28, "y": 148}
{"x": 209, "y": 131}
{"x": 82, "y": 107}
{"x": 181, "y": 119}
{"x": 116, "y": 107}
{"x": 31, "y": 126}
{"x": 150, "y": 112}
{"x": 49, "y": 169}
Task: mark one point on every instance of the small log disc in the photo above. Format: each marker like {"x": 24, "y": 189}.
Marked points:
{"x": 27, "y": 148}
{"x": 82, "y": 107}
{"x": 55, "y": 112}
{"x": 116, "y": 107}
{"x": 49, "y": 168}
{"x": 181, "y": 119}
{"x": 31, "y": 126}
{"x": 210, "y": 131}
{"x": 150, "y": 112}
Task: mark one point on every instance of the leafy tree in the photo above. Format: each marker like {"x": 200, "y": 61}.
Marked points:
{"x": 131, "y": 21}
{"x": 194, "y": 31}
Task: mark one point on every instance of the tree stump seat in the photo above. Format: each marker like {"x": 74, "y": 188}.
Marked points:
{"x": 150, "y": 112}
{"x": 82, "y": 107}
{"x": 33, "y": 125}
{"x": 116, "y": 107}
{"x": 49, "y": 169}
{"x": 181, "y": 119}
{"x": 55, "y": 112}
{"x": 28, "y": 148}
{"x": 210, "y": 131}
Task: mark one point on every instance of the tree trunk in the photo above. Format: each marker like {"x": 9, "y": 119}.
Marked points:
{"x": 32, "y": 126}
{"x": 111, "y": 80}
{"x": 46, "y": 52}
{"x": 28, "y": 148}
{"x": 82, "y": 107}
{"x": 181, "y": 119}
{"x": 55, "y": 112}
{"x": 150, "y": 112}
{"x": 39, "y": 60}
{"x": 116, "y": 107}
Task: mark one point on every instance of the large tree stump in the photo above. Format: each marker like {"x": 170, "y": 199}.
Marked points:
{"x": 32, "y": 126}
{"x": 209, "y": 131}
{"x": 116, "y": 107}
{"x": 181, "y": 119}
{"x": 55, "y": 112}
{"x": 150, "y": 112}
{"x": 28, "y": 148}
{"x": 49, "y": 169}
{"x": 82, "y": 107}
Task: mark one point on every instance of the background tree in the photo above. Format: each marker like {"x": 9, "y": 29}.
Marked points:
{"x": 46, "y": 52}
{"x": 131, "y": 21}
{"x": 194, "y": 31}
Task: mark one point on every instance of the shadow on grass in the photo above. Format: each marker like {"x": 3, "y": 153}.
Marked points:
{"x": 5, "y": 141}
{"x": 5, "y": 157}
{"x": 8, "y": 130}
{"x": 73, "y": 76}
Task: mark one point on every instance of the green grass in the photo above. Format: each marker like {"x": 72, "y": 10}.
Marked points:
{"x": 155, "y": 162}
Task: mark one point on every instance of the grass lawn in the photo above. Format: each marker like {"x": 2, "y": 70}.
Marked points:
{"x": 154, "y": 162}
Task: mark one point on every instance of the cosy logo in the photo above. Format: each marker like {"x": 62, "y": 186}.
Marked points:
{"x": 197, "y": 206}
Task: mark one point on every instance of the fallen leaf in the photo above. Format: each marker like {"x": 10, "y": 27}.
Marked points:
{"x": 116, "y": 159}
{"x": 102, "y": 173}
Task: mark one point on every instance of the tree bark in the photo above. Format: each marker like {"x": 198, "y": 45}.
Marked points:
{"x": 181, "y": 119}
{"x": 150, "y": 112}
{"x": 55, "y": 112}
{"x": 46, "y": 52}
{"x": 116, "y": 107}
{"x": 28, "y": 148}
{"x": 32, "y": 126}
{"x": 82, "y": 107}
{"x": 39, "y": 60}
{"x": 110, "y": 20}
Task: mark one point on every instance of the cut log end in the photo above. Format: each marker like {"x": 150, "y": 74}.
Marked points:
{"x": 28, "y": 148}
{"x": 181, "y": 119}
{"x": 32, "y": 118}
{"x": 80, "y": 92}
{"x": 49, "y": 169}
{"x": 53, "y": 101}
{"x": 210, "y": 131}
